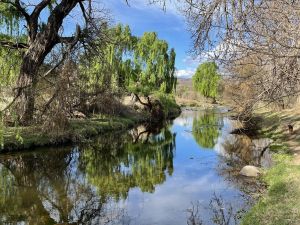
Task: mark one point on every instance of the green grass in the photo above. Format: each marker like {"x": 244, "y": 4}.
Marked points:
{"x": 77, "y": 131}
{"x": 281, "y": 203}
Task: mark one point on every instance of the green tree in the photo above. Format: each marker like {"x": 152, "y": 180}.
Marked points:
{"x": 111, "y": 70}
{"x": 154, "y": 64}
{"x": 140, "y": 65}
{"x": 206, "y": 80}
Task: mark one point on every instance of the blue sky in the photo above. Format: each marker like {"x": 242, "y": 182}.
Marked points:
{"x": 170, "y": 26}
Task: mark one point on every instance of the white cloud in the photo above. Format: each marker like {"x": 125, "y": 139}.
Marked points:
{"x": 218, "y": 52}
{"x": 185, "y": 73}
{"x": 193, "y": 61}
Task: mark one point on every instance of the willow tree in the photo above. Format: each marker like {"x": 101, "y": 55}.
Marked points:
{"x": 206, "y": 80}
{"x": 140, "y": 65}
{"x": 43, "y": 23}
{"x": 110, "y": 70}
{"x": 154, "y": 67}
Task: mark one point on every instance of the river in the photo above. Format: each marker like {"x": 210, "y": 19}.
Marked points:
{"x": 184, "y": 172}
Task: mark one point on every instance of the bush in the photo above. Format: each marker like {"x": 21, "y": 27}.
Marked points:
{"x": 168, "y": 102}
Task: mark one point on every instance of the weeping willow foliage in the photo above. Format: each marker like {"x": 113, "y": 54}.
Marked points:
{"x": 206, "y": 79}
{"x": 137, "y": 64}
{"x": 9, "y": 18}
{"x": 109, "y": 69}
{"x": 155, "y": 66}
{"x": 10, "y": 61}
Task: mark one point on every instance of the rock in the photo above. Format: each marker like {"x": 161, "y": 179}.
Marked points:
{"x": 250, "y": 171}
{"x": 262, "y": 143}
{"x": 79, "y": 115}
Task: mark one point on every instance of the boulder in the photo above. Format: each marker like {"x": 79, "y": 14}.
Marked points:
{"x": 250, "y": 171}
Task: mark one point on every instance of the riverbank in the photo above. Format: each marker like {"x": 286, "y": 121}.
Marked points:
{"x": 79, "y": 130}
{"x": 280, "y": 204}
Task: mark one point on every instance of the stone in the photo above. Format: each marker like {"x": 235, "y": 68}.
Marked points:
{"x": 79, "y": 115}
{"x": 250, "y": 171}
{"x": 262, "y": 143}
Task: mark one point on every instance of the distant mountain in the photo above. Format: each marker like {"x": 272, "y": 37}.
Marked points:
{"x": 184, "y": 82}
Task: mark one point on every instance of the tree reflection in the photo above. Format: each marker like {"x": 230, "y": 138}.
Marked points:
{"x": 115, "y": 167}
{"x": 207, "y": 128}
{"x": 81, "y": 186}
{"x": 218, "y": 212}
{"x": 46, "y": 189}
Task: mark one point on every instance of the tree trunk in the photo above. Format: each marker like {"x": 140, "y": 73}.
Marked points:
{"x": 28, "y": 77}
{"x": 26, "y": 96}
{"x": 40, "y": 44}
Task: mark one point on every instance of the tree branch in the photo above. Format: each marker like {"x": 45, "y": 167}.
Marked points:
{"x": 18, "y": 6}
{"x": 71, "y": 40}
{"x": 84, "y": 13}
{"x": 13, "y": 45}
{"x": 38, "y": 9}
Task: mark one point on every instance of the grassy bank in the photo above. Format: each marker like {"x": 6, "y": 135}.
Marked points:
{"x": 280, "y": 205}
{"x": 78, "y": 130}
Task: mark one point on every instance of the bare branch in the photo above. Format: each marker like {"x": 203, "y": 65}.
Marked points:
{"x": 13, "y": 45}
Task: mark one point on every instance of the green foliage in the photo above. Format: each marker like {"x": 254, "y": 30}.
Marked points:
{"x": 141, "y": 65}
{"x": 10, "y": 61}
{"x": 206, "y": 129}
{"x": 169, "y": 104}
{"x": 9, "y": 18}
{"x": 109, "y": 70}
{"x": 154, "y": 66}
{"x": 206, "y": 79}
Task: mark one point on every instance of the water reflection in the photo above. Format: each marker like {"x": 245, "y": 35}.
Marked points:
{"x": 35, "y": 190}
{"x": 127, "y": 178}
{"x": 62, "y": 186}
{"x": 114, "y": 167}
{"x": 207, "y": 128}
{"x": 219, "y": 211}
{"x": 243, "y": 150}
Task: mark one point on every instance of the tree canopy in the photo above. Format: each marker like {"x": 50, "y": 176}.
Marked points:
{"x": 141, "y": 65}
{"x": 206, "y": 79}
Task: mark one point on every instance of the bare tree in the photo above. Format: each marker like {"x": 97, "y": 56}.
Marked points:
{"x": 256, "y": 33}
{"x": 43, "y": 34}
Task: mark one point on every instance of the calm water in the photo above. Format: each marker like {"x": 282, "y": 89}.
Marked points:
{"x": 179, "y": 174}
